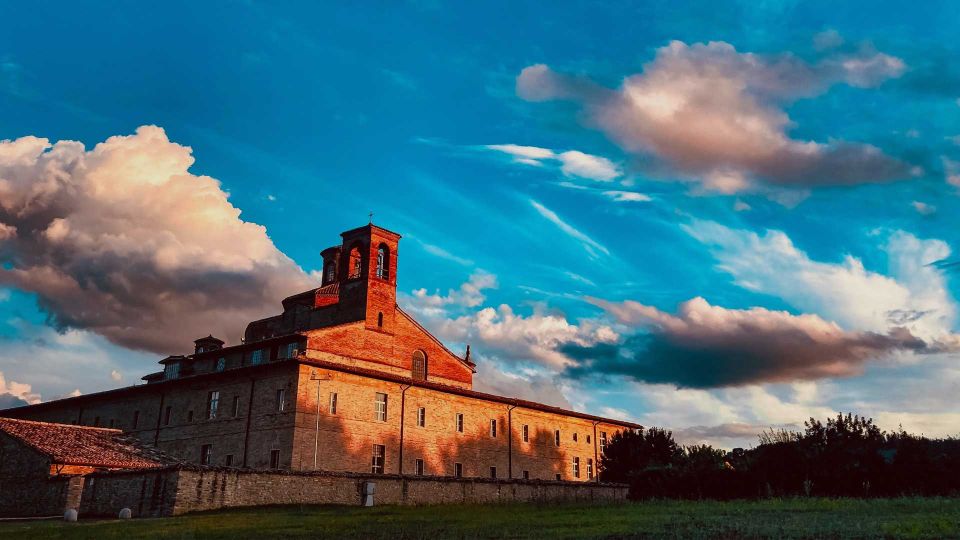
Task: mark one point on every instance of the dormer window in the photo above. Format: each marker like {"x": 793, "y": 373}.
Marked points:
{"x": 171, "y": 370}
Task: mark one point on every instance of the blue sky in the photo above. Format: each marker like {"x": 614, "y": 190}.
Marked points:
{"x": 568, "y": 181}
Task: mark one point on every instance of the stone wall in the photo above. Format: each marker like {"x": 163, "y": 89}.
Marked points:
{"x": 26, "y": 487}
{"x": 179, "y": 491}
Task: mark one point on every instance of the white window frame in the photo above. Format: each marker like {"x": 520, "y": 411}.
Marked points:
{"x": 526, "y": 433}
{"x": 576, "y": 466}
{"x": 332, "y": 406}
{"x": 380, "y": 406}
{"x": 213, "y": 403}
{"x": 281, "y": 399}
{"x": 493, "y": 428}
{"x": 422, "y": 417}
{"x": 379, "y": 459}
{"x": 418, "y": 467}
{"x": 459, "y": 423}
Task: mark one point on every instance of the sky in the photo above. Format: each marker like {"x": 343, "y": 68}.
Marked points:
{"x": 711, "y": 217}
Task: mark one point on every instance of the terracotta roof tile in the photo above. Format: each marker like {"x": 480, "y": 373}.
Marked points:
{"x": 81, "y": 445}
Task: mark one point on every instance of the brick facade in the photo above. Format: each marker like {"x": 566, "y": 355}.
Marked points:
{"x": 346, "y": 337}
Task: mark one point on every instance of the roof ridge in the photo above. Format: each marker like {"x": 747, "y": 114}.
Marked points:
{"x": 60, "y": 424}
{"x": 435, "y": 338}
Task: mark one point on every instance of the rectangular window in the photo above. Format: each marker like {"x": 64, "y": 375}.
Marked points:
{"x": 256, "y": 357}
{"x": 380, "y": 407}
{"x": 493, "y": 472}
{"x": 189, "y": 416}
{"x": 422, "y": 417}
{"x": 275, "y": 459}
{"x": 378, "y": 454}
{"x": 228, "y": 460}
{"x": 458, "y": 470}
{"x": 558, "y": 477}
{"x": 526, "y": 433}
{"x": 166, "y": 415}
{"x": 281, "y": 399}
{"x": 333, "y": 403}
{"x": 290, "y": 351}
{"x": 136, "y": 419}
{"x": 603, "y": 440}
{"x": 590, "y": 468}
{"x": 418, "y": 468}
{"x": 459, "y": 422}
{"x": 205, "y": 454}
{"x": 171, "y": 371}
{"x": 556, "y": 437}
{"x": 588, "y": 439}
{"x": 493, "y": 429}
{"x": 213, "y": 403}
{"x": 576, "y": 467}
{"x": 574, "y": 437}
{"x": 221, "y": 363}
{"x": 236, "y": 406}
{"x": 526, "y": 475}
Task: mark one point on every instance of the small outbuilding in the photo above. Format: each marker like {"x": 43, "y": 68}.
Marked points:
{"x": 43, "y": 465}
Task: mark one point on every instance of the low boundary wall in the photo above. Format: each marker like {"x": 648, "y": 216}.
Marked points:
{"x": 179, "y": 490}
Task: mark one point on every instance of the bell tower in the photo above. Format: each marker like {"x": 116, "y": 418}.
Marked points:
{"x": 367, "y": 273}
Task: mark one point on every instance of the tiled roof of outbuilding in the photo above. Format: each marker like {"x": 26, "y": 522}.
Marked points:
{"x": 80, "y": 445}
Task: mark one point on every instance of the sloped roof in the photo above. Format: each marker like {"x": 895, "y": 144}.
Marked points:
{"x": 80, "y": 445}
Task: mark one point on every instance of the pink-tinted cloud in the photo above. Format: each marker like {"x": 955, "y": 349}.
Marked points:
{"x": 717, "y": 116}
{"x": 706, "y": 346}
{"x": 123, "y": 240}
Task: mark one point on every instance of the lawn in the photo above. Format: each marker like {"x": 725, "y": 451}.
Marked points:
{"x": 789, "y": 518}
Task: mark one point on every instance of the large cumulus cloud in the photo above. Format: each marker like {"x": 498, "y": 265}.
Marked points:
{"x": 123, "y": 240}
{"x": 705, "y": 346}
{"x": 716, "y": 115}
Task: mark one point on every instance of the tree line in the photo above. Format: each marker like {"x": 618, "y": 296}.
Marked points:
{"x": 846, "y": 456}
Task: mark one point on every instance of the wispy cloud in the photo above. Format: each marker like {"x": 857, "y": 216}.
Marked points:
{"x": 438, "y": 251}
{"x": 573, "y": 163}
{"x": 627, "y": 196}
{"x": 589, "y": 244}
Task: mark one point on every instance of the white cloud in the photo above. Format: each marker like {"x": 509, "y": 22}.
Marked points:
{"x": 536, "y": 337}
{"x": 914, "y": 296}
{"x": 116, "y": 375}
{"x": 573, "y": 163}
{"x": 717, "y": 116}
{"x": 627, "y": 196}
{"x": 125, "y": 241}
{"x": 468, "y": 295}
{"x": 13, "y": 393}
{"x": 923, "y": 208}
{"x": 952, "y": 169}
{"x": 589, "y": 244}
{"x": 740, "y": 206}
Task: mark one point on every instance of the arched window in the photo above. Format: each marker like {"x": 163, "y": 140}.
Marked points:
{"x": 419, "y": 368}
{"x": 380, "y": 319}
{"x": 329, "y": 273}
{"x": 383, "y": 262}
{"x": 356, "y": 263}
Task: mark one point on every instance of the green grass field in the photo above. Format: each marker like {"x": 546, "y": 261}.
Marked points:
{"x": 791, "y": 518}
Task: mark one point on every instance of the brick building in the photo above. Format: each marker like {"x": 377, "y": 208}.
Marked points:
{"x": 342, "y": 380}
{"x": 42, "y": 465}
